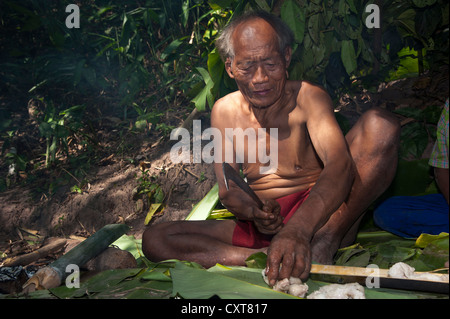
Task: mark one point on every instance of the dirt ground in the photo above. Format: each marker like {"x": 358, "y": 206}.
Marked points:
{"x": 109, "y": 197}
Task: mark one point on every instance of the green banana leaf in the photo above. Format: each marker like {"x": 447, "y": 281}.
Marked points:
{"x": 199, "y": 284}
{"x": 203, "y": 209}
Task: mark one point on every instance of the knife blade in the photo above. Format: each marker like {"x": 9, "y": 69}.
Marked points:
{"x": 229, "y": 174}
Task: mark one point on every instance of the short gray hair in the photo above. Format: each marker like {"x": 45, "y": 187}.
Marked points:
{"x": 224, "y": 43}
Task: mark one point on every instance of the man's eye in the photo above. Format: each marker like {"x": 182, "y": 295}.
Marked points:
{"x": 246, "y": 69}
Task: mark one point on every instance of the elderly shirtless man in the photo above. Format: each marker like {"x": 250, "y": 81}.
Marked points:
{"x": 324, "y": 181}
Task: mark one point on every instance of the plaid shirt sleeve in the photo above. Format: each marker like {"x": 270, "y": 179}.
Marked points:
{"x": 439, "y": 156}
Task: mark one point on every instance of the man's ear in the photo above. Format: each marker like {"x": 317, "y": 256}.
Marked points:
{"x": 288, "y": 56}
{"x": 228, "y": 68}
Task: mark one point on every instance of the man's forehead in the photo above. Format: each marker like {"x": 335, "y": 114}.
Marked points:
{"x": 255, "y": 27}
{"x": 254, "y": 33}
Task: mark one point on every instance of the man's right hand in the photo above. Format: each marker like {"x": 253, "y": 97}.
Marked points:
{"x": 268, "y": 220}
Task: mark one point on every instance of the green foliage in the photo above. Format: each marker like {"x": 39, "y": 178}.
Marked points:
{"x": 145, "y": 55}
{"x": 425, "y": 253}
{"x": 130, "y": 46}
{"x": 56, "y": 128}
{"x": 184, "y": 279}
{"x": 334, "y": 47}
{"x": 416, "y": 134}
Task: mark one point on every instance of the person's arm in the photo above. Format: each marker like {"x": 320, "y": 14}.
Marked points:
{"x": 266, "y": 219}
{"x": 441, "y": 175}
{"x": 290, "y": 247}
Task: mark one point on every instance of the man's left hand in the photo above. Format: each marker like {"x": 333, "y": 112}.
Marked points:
{"x": 290, "y": 251}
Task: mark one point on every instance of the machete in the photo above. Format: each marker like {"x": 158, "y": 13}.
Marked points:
{"x": 229, "y": 174}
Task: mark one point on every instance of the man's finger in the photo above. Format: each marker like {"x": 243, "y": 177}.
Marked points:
{"x": 287, "y": 265}
{"x": 299, "y": 268}
{"x": 273, "y": 266}
{"x": 271, "y": 206}
{"x": 302, "y": 267}
{"x": 262, "y": 215}
{"x": 304, "y": 276}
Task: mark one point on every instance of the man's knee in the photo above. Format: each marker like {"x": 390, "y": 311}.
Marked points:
{"x": 383, "y": 126}
{"x": 382, "y": 121}
{"x": 152, "y": 240}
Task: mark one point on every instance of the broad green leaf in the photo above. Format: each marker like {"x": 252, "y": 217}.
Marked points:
{"x": 202, "y": 210}
{"x": 154, "y": 207}
{"x": 352, "y": 6}
{"x": 257, "y": 260}
{"x": 394, "y": 253}
{"x": 220, "y": 214}
{"x": 354, "y": 257}
{"x": 424, "y": 3}
{"x": 250, "y": 275}
{"x": 200, "y": 284}
{"x": 348, "y": 56}
{"x": 313, "y": 28}
{"x": 216, "y": 70}
{"x": 205, "y": 94}
{"x": 100, "y": 282}
{"x": 425, "y": 239}
{"x": 130, "y": 244}
{"x": 219, "y": 4}
{"x": 412, "y": 178}
{"x": 158, "y": 274}
{"x": 381, "y": 293}
{"x": 263, "y": 5}
{"x": 295, "y": 18}
{"x": 172, "y": 47}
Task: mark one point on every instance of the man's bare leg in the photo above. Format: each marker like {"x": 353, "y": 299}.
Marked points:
{"x": 205, "y": 242}
{"x": 373, "y": 143}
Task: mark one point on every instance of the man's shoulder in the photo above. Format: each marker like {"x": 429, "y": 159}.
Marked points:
{"x": 310, "y": 95}
{"x": 309, "y": 89}
{"x": 228, "y": 103}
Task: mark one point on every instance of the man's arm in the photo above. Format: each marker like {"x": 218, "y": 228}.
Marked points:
{"x": 266, "y": 219}
{"x": 441, "y": 175}
{"x": 290, "y": 247}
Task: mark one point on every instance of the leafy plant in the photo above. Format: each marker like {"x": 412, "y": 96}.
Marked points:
{"x": 416, "y": 135}
{"x": 56, "y": 128}
{"x": 184, "y": 279}
{"x": 334, "y": 47}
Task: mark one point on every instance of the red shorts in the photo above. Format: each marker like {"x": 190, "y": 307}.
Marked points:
{"x": 245, "y": 233}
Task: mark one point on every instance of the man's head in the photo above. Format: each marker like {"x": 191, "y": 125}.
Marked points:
{"x": 256, "y": 49}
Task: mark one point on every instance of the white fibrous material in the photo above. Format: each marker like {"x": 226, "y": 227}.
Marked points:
{"x": 292, "y": 286}
{"x": 337, "y": 291}
{"x": 402, "y": 270}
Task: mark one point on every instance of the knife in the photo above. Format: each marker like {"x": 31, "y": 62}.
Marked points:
{"x": 229, "y": 174}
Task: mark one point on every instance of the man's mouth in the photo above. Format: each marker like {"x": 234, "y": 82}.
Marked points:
{"x": 261, "y": 92}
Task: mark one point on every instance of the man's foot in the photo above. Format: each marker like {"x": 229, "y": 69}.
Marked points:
{"x": 323, "y": 250}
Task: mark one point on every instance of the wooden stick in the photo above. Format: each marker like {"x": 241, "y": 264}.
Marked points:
{"x": 53, "y": 275}
{"x": 358, "y": 271}
{"x": 42, "y": 252}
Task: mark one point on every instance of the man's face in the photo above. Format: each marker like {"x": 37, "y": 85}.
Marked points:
{"x": 258, "y": 67}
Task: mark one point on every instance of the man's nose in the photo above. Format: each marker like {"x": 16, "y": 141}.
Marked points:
{"x": 260, "y": 75}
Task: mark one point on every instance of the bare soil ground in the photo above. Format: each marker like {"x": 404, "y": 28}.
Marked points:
{"x": 108, "y": 197}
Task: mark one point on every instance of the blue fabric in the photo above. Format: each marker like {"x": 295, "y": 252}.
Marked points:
{"x": 410, "y": 216}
